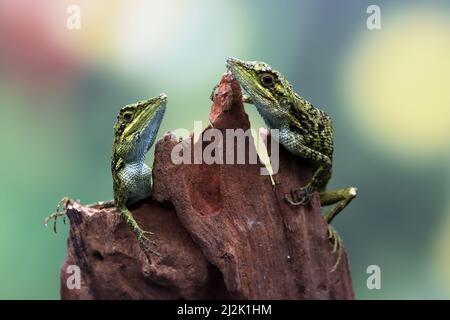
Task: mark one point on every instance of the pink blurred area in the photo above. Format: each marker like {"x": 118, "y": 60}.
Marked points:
{"x": 32, "y": 53}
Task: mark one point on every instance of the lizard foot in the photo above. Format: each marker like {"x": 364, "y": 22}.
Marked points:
{"x": 60, "y": 211}
{"x": 300, "y": 196}
{"x": 334, "y": 237}
{"x": 145, "y": 242}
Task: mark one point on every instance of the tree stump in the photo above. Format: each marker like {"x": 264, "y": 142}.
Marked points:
{"x": 222, "y": 230}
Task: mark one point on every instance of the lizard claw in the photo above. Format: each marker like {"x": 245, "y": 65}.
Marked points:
{"x": 146, "y": 243}
{"x": 300, "y": 196}
{"x": 59, "y": 212}
{"x": 334, "y": 237}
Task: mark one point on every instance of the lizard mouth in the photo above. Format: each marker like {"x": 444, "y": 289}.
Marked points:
{"x": 146, "y": 126}
{"x": 151, "y": 119}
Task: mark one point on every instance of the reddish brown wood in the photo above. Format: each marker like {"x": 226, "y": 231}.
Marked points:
{"x": 222, "y": 231}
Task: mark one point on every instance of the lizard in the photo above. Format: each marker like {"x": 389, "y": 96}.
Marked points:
{"x": 134, "y": 134}
{"x": 304, "y": 130}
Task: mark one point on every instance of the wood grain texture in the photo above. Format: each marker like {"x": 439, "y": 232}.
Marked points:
{"x": 222, "y": 231}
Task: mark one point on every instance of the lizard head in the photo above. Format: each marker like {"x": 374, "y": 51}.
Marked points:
{"x": 270, "y": 92}
{"x": 136, "y": 127}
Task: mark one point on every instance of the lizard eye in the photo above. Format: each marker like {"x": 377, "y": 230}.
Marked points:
{"x": 127, "y": 117}
{"x": 267, "y": 79}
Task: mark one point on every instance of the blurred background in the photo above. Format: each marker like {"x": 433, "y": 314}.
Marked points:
{"x": 387, "y": 91}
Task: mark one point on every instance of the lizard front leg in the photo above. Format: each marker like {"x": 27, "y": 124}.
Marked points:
{"x": 102, "y": 204}
{"x": 294, "y": 143}
{"x": 303, "y": 195}
{"x": 141, "y": 235}
{"x": 61, "y": 210}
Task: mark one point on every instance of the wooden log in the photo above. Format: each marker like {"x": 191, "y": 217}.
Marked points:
{"x": 222, "y": 230}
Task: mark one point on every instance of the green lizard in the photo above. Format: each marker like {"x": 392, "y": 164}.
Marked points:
{"x": 134, "y": 134}
{"x": 303, "y": 130}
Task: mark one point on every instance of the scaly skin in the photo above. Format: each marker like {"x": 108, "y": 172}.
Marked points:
{"x": 134, "y": 133}
{"x": 304, "y": 130}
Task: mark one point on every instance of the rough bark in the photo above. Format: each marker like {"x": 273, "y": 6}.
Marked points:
{"x": 222, "y": 230}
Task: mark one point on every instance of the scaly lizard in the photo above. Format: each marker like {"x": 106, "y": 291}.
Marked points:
{"x": 303, "y": 130}
{"x": 134, "y": 134}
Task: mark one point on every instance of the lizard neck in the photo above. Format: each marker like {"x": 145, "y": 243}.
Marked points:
{"x": 134, "y": 182}
{"x": 272, "y": 118}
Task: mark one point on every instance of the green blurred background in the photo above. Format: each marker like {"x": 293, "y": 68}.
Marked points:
{"x": 387, "y": 91}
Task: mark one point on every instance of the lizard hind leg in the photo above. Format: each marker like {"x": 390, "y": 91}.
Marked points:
{"x": 340, "y": 198}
